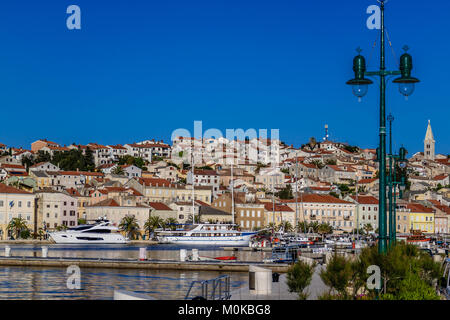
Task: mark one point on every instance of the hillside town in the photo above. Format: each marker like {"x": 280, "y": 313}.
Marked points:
{"x": 264, "y": 182}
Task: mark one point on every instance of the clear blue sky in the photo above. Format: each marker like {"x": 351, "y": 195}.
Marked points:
{"x": 140, "y": 69}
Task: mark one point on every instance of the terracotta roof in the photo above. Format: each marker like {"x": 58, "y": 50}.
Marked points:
{"x": 118, "y": 146}
{"x": 12, "y": 166}
{"x": 417, "y": 207}
{"x": 106, "y": 203}
{"x": 159, "y": 206}
{"x": 365, "y": 199}
{"x": 56, "y": 148}
{"x": 320, "y": 188}
{"x": 440, "y": 177}
{"x": 278, "y": 207}
{"x": 366, "y": 181}
{"x": 155, "y": 182}
{"x": 49, "y": 142}
{"x": 77, "y": 173}
{"x": 202, "y": 203}
{"x": 318, "y": 198}
{"x": 203, "y": 172}
{"x": 7, "y": 189}
{"x": 73, "y": 192}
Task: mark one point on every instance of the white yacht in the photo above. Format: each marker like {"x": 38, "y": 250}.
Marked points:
{"x": 102, "y": 231}
{"x": 206, "y": 234}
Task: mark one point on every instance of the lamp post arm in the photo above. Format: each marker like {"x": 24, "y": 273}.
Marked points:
{"x": 382, "y": 73}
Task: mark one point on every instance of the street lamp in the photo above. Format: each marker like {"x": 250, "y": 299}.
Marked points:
{"x": 406, "y": 83}
{"x": 360, "y": 87}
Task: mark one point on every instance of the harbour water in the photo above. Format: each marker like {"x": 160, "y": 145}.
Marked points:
{"x": 51, "y": 283}
{"x": 125, "y": 251}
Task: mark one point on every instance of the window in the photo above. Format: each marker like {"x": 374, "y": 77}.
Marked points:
{"x": 20, "y": 204}
{"x": 1, "y": 203}
{"x": 29, "y": 204}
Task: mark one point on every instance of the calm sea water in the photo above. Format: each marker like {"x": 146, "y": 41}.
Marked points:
{"x": 99, "y": 284}
{"x": 125, "y": 251}
{"x": 50, "y": 283}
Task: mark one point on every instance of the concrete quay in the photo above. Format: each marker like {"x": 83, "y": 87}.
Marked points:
{"x": 46, "y": 242}
{"x": 231, "y": 266}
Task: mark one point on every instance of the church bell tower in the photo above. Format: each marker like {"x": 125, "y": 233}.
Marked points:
{"x": 429, "y": 144}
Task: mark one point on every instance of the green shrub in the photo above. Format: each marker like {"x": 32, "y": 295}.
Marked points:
{"x": 299, "y": 277}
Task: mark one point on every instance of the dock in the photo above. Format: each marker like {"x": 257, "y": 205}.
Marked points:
{"x": 268, "y": 249}
{"x": 231, "y": 266}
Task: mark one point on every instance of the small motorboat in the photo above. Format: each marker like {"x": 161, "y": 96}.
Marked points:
{"x": 226, "y": 258}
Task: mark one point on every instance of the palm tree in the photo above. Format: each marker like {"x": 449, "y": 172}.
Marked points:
{"x": 153, "y": 223}
{"x": 302, "y": 226}
{"x": 367, "y": 228}
{"x": 314, "y": 226}
{"x": 324, "y": 228}
{"x": 61, "y": 228}
{"x": 118, "y": 170}
{"x": 129, "y": 225}
{"x": 272, "y": 226}
{"x": 40, "y": 233}
{"x": 287, "y": 226}
{"x": 17, "y": 226}
{"x": 171, "y": 223}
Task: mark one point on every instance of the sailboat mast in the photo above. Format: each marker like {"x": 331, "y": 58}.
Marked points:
{"x": 232, "y": 195}
{"x": 193, "y": 192}
{"x": 296, "y": 191}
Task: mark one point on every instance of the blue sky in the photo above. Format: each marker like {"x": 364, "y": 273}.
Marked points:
{"x": 141, "y": 69}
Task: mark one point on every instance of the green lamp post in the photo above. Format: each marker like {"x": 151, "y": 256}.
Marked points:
{"x": 360, "y": 87}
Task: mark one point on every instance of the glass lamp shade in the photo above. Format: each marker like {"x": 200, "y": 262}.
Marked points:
{"x": 360, "y": 90}
{"x": 406, "y": 89}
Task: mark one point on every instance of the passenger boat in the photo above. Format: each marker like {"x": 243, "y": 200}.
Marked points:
{"x": 206, "y": 234}
{"x": 100, "y": 232}
{"x": 417, "y": 238}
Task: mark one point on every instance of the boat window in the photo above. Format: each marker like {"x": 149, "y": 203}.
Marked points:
{"x": 98, "y": 231}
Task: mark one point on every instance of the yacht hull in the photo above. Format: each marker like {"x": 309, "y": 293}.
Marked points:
{"x": 97, "y": 238}
{"x": 219, "y": 241}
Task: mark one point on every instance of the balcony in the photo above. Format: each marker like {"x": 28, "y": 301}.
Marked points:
{"x": 313, "y": 217}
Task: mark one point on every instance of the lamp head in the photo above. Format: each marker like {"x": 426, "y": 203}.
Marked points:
{"x": 359, "y": 83}
{"x": 406, "y": 83}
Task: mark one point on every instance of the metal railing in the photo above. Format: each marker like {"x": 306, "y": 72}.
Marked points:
{"x": 214, "y": 289}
